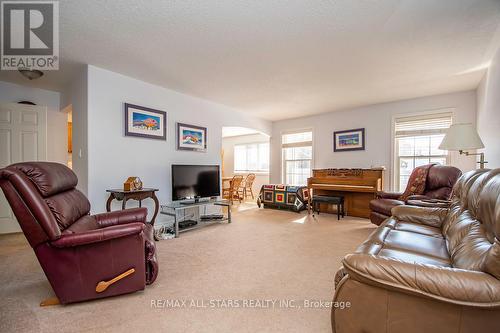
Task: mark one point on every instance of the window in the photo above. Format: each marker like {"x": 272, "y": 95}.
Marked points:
{"x": 251, "y": 157}
{"x": 417, "y": 142}
{"x": 297, "y": 157}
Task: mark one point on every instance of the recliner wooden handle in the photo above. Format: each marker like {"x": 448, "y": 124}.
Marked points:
{"x": 103, "y": 285}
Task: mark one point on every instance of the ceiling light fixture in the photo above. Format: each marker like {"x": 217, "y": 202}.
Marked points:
{"x": 30, "y": 74}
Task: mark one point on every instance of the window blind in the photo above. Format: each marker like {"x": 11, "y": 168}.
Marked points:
{"x": 296, "y": 139}
{"x": 423, "y": 125}
{"x": 251, "y": 157}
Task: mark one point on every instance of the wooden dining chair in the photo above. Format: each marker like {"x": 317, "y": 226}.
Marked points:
{"x": 233, "y": 191}
{"x": 246, "y": 188}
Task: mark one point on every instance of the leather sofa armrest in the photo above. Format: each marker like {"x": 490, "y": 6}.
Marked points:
{"x": 457, "y": 286}
{"x": 387, "y": 195}
{"x": 121, "y": 217}
{"x": 417, "y": 197}
{"x": 431, "y": 216}
{"x": 98, "y": 235}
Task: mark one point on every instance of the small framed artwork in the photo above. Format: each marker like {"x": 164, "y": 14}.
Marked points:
{"x": 145, "y": 122}
{"x": 349, "y": 140}
{"x": 191, "y": 137}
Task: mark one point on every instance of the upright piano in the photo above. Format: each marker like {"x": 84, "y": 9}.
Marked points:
{"x": 357, "y": 186}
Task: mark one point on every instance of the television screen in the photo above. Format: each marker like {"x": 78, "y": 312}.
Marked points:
{"x": 191, "y": 181}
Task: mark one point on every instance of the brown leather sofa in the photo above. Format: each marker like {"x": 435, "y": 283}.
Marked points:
{"x": 77, "y": 250}
{"x": 438, "y": 185}
{"x": 428, "y": 269}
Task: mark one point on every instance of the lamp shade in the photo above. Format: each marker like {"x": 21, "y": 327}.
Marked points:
{"x": 461, "y": 137}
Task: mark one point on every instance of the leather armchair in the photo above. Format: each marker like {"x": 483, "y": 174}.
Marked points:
{"x": 428, "y": 269}
{"x": 438, "y": 185}
{"x": 75, "y": 249}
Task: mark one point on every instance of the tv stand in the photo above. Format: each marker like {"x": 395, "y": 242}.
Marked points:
{"x": 174, "y": 207}
{"x": 193, "y": 201}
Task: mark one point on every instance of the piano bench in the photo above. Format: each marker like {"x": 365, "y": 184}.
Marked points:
{"x": 331, "y": 200}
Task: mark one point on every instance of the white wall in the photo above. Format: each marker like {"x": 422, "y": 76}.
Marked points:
{"x": 76, "y": 97}
{"x": 112, "y": 156}
{"x": 488, "y": 113}
{"x": 377, "y": 121}
{"x": 57, "y": 137}
{"x": 228, "y": 146}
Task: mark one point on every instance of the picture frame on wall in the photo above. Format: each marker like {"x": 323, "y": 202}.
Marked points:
{"x": 349, "y": 140}
{"x": 145, "y": 122}
{"x": 191, "y": 137}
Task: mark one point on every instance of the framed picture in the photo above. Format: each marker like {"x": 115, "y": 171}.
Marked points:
{"x": 349, "y": 140}
{"x": 190, "y": 137}
{"x": 145, "y": 122}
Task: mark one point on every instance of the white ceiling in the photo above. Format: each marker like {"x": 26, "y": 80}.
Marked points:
{"x": 282, "y": 59}
{"x": 237, "y": 131}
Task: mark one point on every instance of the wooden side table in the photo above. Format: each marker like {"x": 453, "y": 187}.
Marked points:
{"x": 139, "y": 195}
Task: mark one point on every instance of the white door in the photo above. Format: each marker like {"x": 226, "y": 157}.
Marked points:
{"x": 23, "y": 137}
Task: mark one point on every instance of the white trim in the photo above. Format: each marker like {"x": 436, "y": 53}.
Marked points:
{"x": 296, "y": 130}
{"x": 393, "y": 165}
{"x": 296, "y": 144}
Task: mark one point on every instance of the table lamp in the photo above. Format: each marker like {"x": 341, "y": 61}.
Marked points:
{"x": 463, "y": 137}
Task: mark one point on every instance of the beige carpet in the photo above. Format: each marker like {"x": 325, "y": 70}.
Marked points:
{"x": 263, "y": 255}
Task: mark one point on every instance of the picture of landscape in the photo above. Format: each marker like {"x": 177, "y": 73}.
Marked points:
{"x": 349, "y": 140}
{"x": 191, "y": 137}
{"x": 144, "y": 121}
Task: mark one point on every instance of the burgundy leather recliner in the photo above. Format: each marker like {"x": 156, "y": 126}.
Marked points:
{"x": 77, "y": 250}
{"x": 438, "y": 185}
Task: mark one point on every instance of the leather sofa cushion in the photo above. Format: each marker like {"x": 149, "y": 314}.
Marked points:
{"x": 414, "y": 258}
{"x": 490, "y": 216}
{"x": 482, "y": 201}
{"x": 417, "y": 243}
{"x": 67, "y": 207}
{"x": 419, "y": 229}
{"x": 406, "y": 241}
{"x": 85, "y": 223}
{"x": 460, "y": 197}
{"x": 471, "y": 251}
{"x": 384, "y": 206}
{"x": 441, "y": 176}
{"x": 442, "y": 193}
{"x": 468, "y": 244}
{"x": 377, "y": 244}
{"x": 471, "y": 232}
{"x": 48, "y": 177}
{"x": 33, "y": 201}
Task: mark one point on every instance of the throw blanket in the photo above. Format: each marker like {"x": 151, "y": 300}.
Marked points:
{"x": 278, "y": 195}
{"x": 416, "y": 183}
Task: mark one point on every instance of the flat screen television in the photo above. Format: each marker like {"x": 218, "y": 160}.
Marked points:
{"x": 195, "y": 181}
